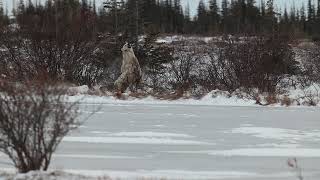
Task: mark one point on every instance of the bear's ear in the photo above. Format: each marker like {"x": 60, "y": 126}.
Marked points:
{"x": 125, "y": 45}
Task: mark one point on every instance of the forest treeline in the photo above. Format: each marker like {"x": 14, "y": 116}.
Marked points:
{"x": 135, "y": 17}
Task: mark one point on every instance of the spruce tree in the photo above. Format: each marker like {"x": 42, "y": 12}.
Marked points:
{"x": 253, "y": 17}
{"x": 263, "y": 8}
{"x": 214, "y": 16}
{"x": 202, "y": 18}
{"x": 187, "y": 26}
{"x": 178, "y": 17}
{"x": 224, "y": 15}
{"x": 134, "y": 21}
{"x": 311, "y": 16}
{"x": 303, "y": 19}
{"x": 271, "y": 21}
{"x": 317, "y": 28}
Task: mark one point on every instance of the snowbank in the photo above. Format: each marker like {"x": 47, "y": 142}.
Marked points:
{"x": 212, "y": 98}
{"x": 78, "y": 90}
{"x": 177, "y": 38}
{"x": 53, "y": 175}
{"x": 140, "y": 174}
{"x": 292, "y": 96}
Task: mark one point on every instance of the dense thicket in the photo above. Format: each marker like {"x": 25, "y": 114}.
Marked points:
{"x": 75, "y": 41}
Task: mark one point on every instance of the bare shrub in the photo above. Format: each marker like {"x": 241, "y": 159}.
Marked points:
{"x": 34, "y": 118}
{"x": 309, "y": 54}
{"x": 257, "y": 62}
{"x": 271, "y": 99}
{"x": 311, "y": 95}
{"x": 183, "y": 69}
{"x": 27, "y": 55}
{"x": 109, "y": 56}
{"x": 153, "y": 58}
{"x": 286, "y": 101}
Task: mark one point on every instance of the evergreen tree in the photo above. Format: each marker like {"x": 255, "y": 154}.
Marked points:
{"x": 187, "y": 20}
{"x": 263, "y": 8}
{"x": 203, "y": 21}
{"x": 253, "y": 17}
{"x": 317, "y": 28}
{"x": 311, "y": 15}
{"x": 135, "y": 20}
{"x": 187, "y": 13}
{"x": 4, "y": 19}
{"x": 235, "y": 16}
{"x": 214, "y": 16}
{"x": 178, "y": 17}
{"x": 293, "y": 21}
{"x": 284, "y": 21}
{"x": 271, "y": 20}
{"x": 318, "y": 10}
{"x": 224, "y": 15}
{"x": 103, "y": 20}
{"x": 168, "y": 18}
{"x": 132, "y": 18}
{"x": 303, "y": 19}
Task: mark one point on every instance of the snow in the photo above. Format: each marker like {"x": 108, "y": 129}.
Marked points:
{"x": 51, "y": 175}
{"x": 132, "y": 140}
{"x": 150, "y": 134}
{"x": 179, "y": 174}
{"x": 311, "y": 92}
{"x": 147, "y": 137}
{"x": 71, "y": 174}
{"x": 162, "y": 114}
{"x": 301, "y": 96}
{"x": 176, "y": 38}
{"x": 86, "y": 156}
{"x": 267, "y": 152}
{"x": 170, "y": 174}
{"x": 290, "y": 135}
{"x": 259, "y": 152}
{"x": 212, "y": 98}
{"x": 276, "y": 145}
{"x": 78, "y": 90}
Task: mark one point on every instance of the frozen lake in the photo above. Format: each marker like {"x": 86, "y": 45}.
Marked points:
{"x": 193, "y": 142}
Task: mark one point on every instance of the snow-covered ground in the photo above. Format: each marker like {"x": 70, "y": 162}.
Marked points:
{"x": 176, "y": 38}
{"x": 291, "y": 96}
{"x": 133, "y": 140}
{"x": 210, "y": 99}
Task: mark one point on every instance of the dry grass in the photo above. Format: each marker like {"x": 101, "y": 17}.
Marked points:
{"x": 271, "y": 99}
{"x": 168, "y": 96}
{"x": 286, "y": 101}
{"x": 138, "y": 94}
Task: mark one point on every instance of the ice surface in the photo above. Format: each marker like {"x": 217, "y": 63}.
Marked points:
{"x": 172, "y": 141}
{"x": 278, "y": 133}
{"x": 259, "y": 152}
{"x": 132, "y": 140}
{"x": 150, "y": 134}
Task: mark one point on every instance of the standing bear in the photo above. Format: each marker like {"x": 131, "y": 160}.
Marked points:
{"x": 130, "y": 70}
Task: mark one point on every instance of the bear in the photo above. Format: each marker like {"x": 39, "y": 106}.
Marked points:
{"x": 131, "y": 74}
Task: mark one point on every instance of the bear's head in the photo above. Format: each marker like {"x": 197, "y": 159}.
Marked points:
{"x": 126, "y": 48}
